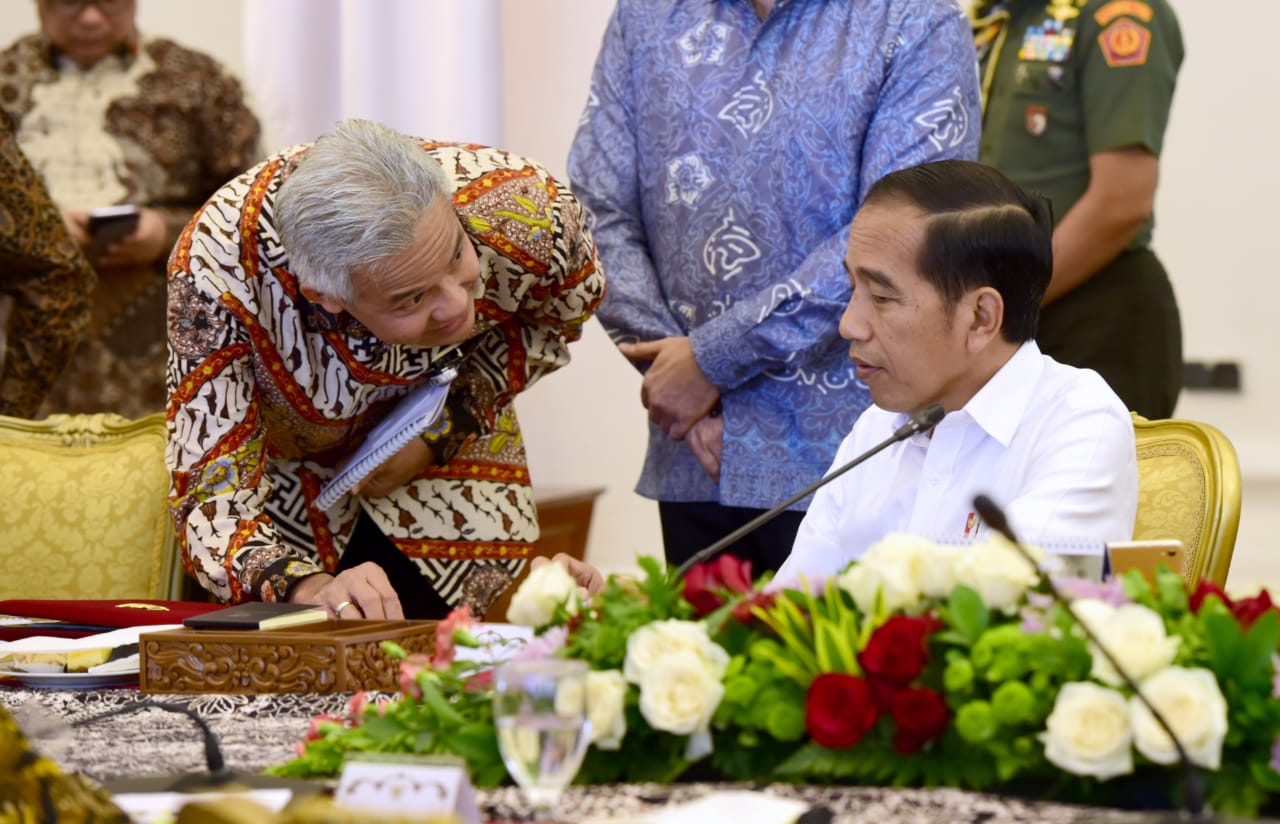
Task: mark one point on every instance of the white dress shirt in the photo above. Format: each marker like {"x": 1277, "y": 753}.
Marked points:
{"x": 1049, "y": 443}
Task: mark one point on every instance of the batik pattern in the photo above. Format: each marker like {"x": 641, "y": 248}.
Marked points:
{"x": 170, "y": 127}
{"x": 268, "y": 391}
{"x": 48, "y": 279}
{"x": 723, "y": 158}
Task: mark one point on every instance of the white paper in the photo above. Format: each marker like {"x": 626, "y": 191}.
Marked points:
{"x": 103, "y": 640}
{"x": 401, "y": 787}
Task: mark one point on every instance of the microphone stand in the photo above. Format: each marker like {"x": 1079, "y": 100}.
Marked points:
{"x": 922, "y": 421}
{"x": 1192, "y": 782}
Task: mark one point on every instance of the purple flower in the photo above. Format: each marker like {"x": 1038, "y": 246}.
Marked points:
{"x": 1110, "y": 592}
{"x": 545, "y": 645}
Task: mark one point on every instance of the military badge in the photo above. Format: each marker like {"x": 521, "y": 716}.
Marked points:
{"x": 1049, "y": 42}
{"x": 1037, "y": 119}
{"x": 1062, "y": 10}
{"x": 1125, "y": 43}
{"x": 1117, "y": 8}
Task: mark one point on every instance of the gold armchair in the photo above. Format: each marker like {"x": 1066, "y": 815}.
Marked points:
{"x": 1189, "y": 489}
{"x": 84, "y": 511}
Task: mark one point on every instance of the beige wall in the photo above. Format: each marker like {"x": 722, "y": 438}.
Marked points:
{"x": 1215, "y": 212}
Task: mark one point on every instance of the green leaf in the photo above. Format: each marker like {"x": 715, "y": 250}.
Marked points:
{"x": 967, "y": 613}
{"x": 431, "y": 696}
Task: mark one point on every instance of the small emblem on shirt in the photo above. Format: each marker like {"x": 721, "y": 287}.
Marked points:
{"x": 1117, "y": 8}
{"x": 1125, "y": 43}
{"x": 1037, "y": 120}
{"x": 1062, "y": 10}
{"x": 971, "y": 525}
{"x": 1049, "y": 42}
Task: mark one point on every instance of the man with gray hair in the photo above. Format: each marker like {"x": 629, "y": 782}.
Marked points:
{"x": 305, "y": 299}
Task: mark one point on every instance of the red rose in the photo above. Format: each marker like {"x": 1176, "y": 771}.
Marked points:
{"x": 897, "y": 651}
{"x": 921, "y": 715}
{"x": 742, "y": 610}
{"x": 1248, "y": 610}
{"x": 838, "y": 710}
{"x": 883, "y": 693}
{"x": 1203, "y": 590}
{"x": 704, "y": 582}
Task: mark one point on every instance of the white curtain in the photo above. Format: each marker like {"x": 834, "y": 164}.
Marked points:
{"x": 430, "y": 68}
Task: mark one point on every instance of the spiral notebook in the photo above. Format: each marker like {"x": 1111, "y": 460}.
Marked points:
{"x": 409, "y": 419}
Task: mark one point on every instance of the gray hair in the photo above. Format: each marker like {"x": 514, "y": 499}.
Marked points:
{"x": 356, "y": 198}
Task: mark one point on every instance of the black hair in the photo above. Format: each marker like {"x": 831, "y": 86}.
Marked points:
{"x": 983, "y": 231}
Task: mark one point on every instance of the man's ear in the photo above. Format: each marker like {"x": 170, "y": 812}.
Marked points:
{"x": 988, "y": 316}
{"x": 327, "y": 302}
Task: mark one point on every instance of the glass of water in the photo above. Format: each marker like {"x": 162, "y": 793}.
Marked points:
{"x": 540, "y": 710}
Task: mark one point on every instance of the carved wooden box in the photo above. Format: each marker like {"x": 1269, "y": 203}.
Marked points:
{"x": 333, "y": 656}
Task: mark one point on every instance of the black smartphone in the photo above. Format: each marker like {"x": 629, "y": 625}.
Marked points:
{"x": 110, "y": 224}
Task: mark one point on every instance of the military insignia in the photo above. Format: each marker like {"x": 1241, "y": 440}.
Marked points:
{"x": 1117, "y": 8}
{"x": 1049, "y": 42}
{"x": 1063, "y": 10}
{"x": 1125, "y": 43}
{"x": 1037, "y": 119}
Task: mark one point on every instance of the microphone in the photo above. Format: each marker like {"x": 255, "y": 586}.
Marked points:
{"x": 922, "y": 421}
{"x": 1192, "y": 783}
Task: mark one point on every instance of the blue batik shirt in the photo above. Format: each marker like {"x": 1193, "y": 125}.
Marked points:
{"x": 723, "y": 158}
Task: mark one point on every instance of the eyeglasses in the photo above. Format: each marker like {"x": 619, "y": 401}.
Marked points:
{"x": 71, "y": 9}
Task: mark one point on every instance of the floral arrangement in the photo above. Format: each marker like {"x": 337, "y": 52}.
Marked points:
{"x": 919, "y": 665}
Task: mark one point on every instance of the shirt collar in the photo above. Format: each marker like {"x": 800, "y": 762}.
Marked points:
{"x": 999, "y": 406}
{"x": 127, "y": 53}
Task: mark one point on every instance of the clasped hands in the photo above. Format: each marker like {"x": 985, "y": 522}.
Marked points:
{"x": 679, "y": 397}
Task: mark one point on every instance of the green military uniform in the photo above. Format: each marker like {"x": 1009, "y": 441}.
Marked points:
{"x": 1064, "y": 80}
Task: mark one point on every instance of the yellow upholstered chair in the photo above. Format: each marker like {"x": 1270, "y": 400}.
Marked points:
{"x": 1188, "y": 489}
{"x": 83, "y": 510}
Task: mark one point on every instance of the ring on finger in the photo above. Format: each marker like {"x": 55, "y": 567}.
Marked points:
{"x": 337, "y": 611}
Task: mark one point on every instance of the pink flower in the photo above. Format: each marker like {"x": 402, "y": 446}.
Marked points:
{"x": 408, "y": 680}
{"x": 1110, "y": 592}
{"x": 545, "y": 645}
{"x": 459, "y": 619}
{"x": 356, "y": 706}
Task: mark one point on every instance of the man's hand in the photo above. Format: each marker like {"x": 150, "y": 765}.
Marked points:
{"x": 364, "y": 589}
{"x": 588, "y": 577}
{"x": 706, "y": 442}
{"x": 77, "y": 221}
{"x": 396, "y": 471}
{"x": 675, "y": 390}
{"x": 147, "y": 244}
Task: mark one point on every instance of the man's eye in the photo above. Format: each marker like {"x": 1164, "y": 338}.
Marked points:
{"x": 880, "y": 299}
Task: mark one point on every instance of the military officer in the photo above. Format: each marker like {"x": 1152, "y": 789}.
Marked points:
{"x": 1076, "y": 97}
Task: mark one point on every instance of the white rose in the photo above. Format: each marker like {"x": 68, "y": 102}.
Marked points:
{"x": 1134, "y": 634}
{"x": 1191, "y": 701}
{"x": 606, "y": 699}
{"x": 997, "y": 571}
{"x": 1088, "y": 732}
{"x": 546, "y": 588}
{"x": 661, "y": 638}
{"x": 893, "y": 568}
{"x": 678, "y": 694}
{"x": 938, "y": 570}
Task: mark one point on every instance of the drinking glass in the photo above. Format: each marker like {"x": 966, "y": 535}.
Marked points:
{"x": 540, "y": 711}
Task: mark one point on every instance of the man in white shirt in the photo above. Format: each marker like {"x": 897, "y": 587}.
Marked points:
{"x": 949, "y": 262}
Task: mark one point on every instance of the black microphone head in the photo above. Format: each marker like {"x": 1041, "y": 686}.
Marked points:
{"x": 993, "y": 515}
{"x": 929, "y": 417}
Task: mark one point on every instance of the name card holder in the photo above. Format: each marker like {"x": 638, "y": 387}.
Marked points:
{"x": 421, "y": 785}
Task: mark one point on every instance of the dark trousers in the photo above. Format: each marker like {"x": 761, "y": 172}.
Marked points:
{"x": 689, "y": 527}
{"x": 1122, "y": 323}
{"x": 418, "y": 598}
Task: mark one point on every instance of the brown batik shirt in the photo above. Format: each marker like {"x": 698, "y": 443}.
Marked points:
{"x": 157, "y": 125}
{"x": 46, "y": 276}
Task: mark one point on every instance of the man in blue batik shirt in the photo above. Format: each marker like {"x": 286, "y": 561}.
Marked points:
{"x": 724, "y": 150}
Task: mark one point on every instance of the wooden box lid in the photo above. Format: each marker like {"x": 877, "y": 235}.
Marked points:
{"x": 332, "y": 656}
